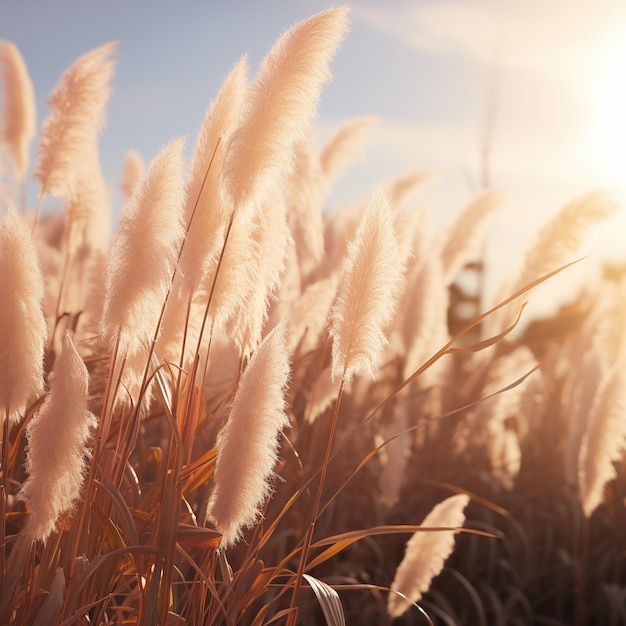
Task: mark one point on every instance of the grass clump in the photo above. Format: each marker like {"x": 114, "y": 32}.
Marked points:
{"x": 238, "y": 409}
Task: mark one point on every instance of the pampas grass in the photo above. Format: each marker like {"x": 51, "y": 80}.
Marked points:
{"x": 604, "y": 440}
{"x": 555, "y": 244}
{"x": 144, "y": 253}
{"x": 23, "y": 328}
{"x": 467, "y": 233}
{"x": 132, "y": 172}
{"x": 346, "y": 145}
{"x": 367, "y": 292}
{"x": 283, "y": 99}
{"x": 58, "y": 437}
{"x": 19, "y": 115}
{"x": 239, "y": 451}
{"x": 425, "y": 554}
{"x": 206, "y": 216}
{"x": 73, "y": 125}
{"x": 256, "y": 419}
{"x": 271, "y": 239}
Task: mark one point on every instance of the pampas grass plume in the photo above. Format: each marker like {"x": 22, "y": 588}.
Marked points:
{"x": 144, "y": 252}
{"x": 247, "y": 446}
{"x": 206, "y": 231}
{"x": 347, "y": 144}
{"x": 426, "y": 553}
{"x": 23, "y": 328}
{"x": 283, "y": 99}
{"x": 76, "y": 117}
{"x": 604, "y": 440}
{"x": 57, "y": 444}
{"x": 133, "y": 171}
{"x": 462, "y": 241}
{"x": 19, "y": 114}
{"x": 368, "y": 289}
{"x": 555, "y": 244}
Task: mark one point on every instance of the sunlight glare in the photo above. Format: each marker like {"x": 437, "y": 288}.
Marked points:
{"x": 609, "y": 133}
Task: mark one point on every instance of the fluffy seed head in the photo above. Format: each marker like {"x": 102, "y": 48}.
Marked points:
{"x": 144, "y": 252}
{"x": 426, "y": 553}
{"x": 57, "y": 445}
{"x": 23, "y": 328}
{"x": 367, "y": 292}
{"x": 247, "y": 446}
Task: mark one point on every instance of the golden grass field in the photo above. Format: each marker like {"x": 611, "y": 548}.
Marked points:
{"x": 240, "y": 408}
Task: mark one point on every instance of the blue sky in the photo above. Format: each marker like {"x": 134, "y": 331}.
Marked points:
{"x": 423, "y": 66}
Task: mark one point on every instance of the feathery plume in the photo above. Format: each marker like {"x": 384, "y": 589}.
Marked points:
{"x": 283, "y": 99}
{"x": 247, "y": 446}
{"x": 505, "y": 456}
{"x": 271, "y": 239}
{"x": 206, "y": 232}
{"x": 604, "y": 440}
{"x": 553, "y": 246}
{"x": 424, "y": 327}
{"x": 235, "y": 275}
{"x": 290, "y": 287}
{"x": 563, "y": 234}
{"x": 304, "y": 200}
{"x": 132, "y": 172}
{"x": 144, "y": 252}
{"x": 403, "y": 186}
{"x": 19, "y": 115}
{"x": 57, "y": 445}
{"x": 394, "y": 457}
{"x": 463, "y": 238}
{"x": 411, "y": 228}
{"x": 609, "y": 330}
{"x": 347, "y": 144}
{"x": 368, "y": 289}
{"x": 308, "y": 314}
{"x": 323, "y": 394}
{"x": 88, "y": 212}
{"x": 426, "y": 552}
{"x": 23, "y": 328}
{"x": 76, "y": 118}
{"x": 581, "y": 390}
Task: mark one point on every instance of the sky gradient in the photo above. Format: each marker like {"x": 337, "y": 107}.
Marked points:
{"x": 430, "y": 69}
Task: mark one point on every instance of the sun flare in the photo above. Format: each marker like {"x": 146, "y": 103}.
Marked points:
{"x": 609, "y": 126}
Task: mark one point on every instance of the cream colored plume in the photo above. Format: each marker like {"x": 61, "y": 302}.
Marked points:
{"x": 144, "y": 253}
{"x": 554, "y": 245}
{"x": 19, "y": 115}
{"x": 403, "y": 186}
{"x": 23, "y": 328}
{"x": 282, "y": 100}
{"x": 206, "y": 228}
{"x": 308, "y": 314}
{"x": 367, "y": 292}
{"x": 270, "y": 241}
{"x": 304, "y": 202}
{"x": 88, "y": 214}
{"x": 426, "y": 553}
{"x": 76, "y": 117}
{"x": 247, "y": 445}
{"x": 58, "y": 438}
{"x": 424, "y": 307}
{"x": 132, "y": 172}
{"x": 347, "y": 144}
{"x": 462, "y": 241}
{"x": 604, "y": 440}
